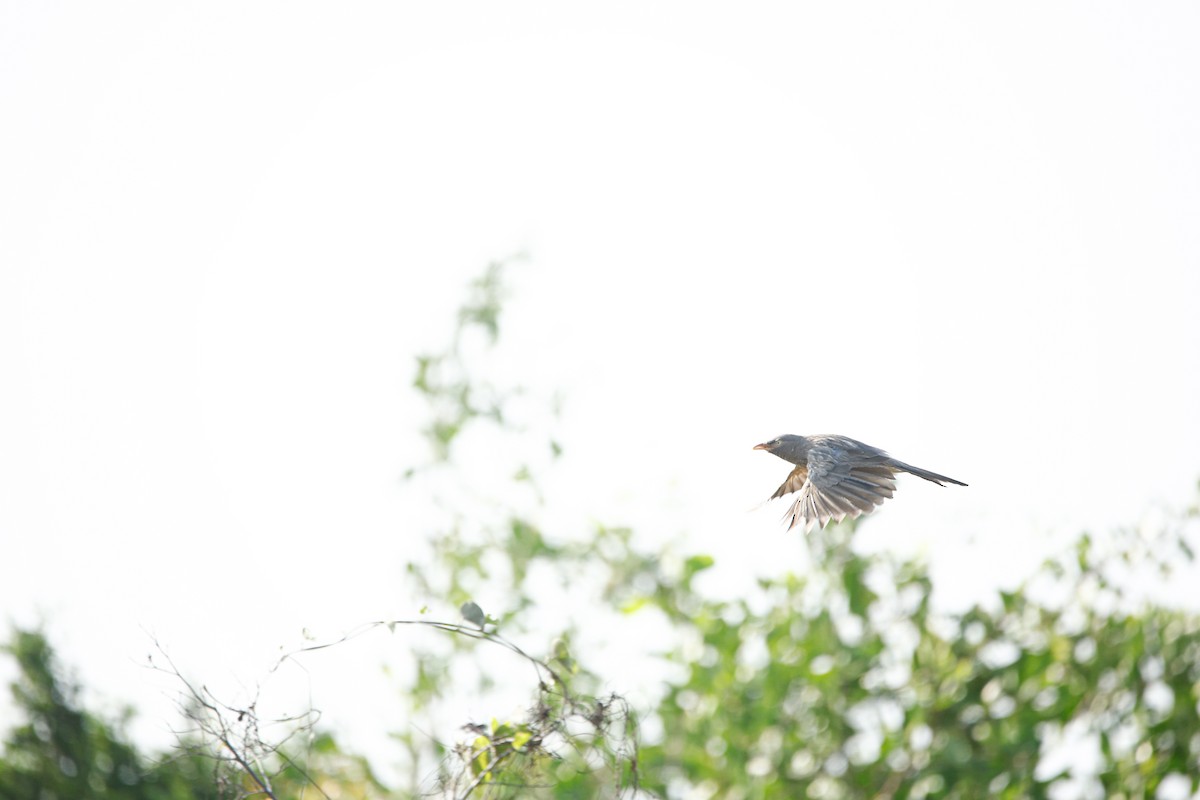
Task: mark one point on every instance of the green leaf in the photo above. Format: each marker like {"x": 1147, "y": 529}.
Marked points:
{"x": 473, "y": 614}
{"x": 634, "y": 604}
{"x": 561, "y": 650}
{"x": 695, "y": 564}
{"x": 482, "y": 747}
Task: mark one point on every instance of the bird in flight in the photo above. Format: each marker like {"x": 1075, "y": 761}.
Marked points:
{"x": 837, "y": 477}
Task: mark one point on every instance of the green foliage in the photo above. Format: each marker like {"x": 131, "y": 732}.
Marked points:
{"x": 850, "y": 686}
{"x": 455, "y": 397}
{"x": 320, "y": 768}
{"x": 63, "y": 752}
{"x": 844, "y": 682}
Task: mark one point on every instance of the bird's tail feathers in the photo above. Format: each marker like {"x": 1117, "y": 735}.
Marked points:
{"x": 940, "y": 480}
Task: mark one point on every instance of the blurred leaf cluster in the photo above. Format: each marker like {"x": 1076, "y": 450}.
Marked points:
{"x": 455, "y": 396}
{"x": 850, "y": 685}
{"x": 61, "y": 751}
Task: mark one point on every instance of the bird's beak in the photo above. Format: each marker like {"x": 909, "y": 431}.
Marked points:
{"x": 763, "y": 446}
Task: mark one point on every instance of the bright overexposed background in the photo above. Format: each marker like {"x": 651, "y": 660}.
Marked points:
{"x": 967, "y": 234}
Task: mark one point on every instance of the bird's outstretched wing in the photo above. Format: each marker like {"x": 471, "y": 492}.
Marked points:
{"x": 794, "y": 483}
{"x": 834, "y": 487}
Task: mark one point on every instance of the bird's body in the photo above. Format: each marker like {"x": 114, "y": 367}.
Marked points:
{"x": 838, "y": 477}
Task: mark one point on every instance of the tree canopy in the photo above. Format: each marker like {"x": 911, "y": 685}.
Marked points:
{"x": 842, "y": 680}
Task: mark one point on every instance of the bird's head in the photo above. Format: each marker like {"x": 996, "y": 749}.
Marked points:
{"x": 789, "y": 447}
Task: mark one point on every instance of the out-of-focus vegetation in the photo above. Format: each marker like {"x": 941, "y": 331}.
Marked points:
{"x": 60, "y": 751}
{"x": 839, "y": 682}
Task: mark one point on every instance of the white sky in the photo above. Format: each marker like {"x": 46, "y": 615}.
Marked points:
{"x": 965, "y": 234}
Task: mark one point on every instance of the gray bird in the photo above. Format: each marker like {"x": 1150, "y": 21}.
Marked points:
{"x": 837, "y": 477}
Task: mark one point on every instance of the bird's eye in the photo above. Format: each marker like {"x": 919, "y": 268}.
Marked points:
{"x": 777, "y": 442}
